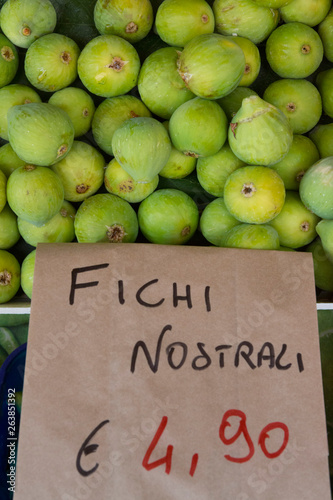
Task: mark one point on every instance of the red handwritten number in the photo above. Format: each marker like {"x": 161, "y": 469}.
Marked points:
{"x": 264, "y": 435}
{"x": 164, "y": 460}
{"x": 242, "y": 429}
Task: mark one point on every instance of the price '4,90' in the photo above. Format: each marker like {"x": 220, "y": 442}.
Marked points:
{"x": 242, "y": 430}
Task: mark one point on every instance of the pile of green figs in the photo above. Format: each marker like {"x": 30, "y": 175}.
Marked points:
{"x": 182, "y": 122}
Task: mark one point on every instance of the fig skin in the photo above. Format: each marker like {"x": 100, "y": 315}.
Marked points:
{"x": 10, "y": 276}
{"x": 110, "y": 114}
{"x": 9, "y": 160}
{"x": 253, "y": 236}
{"x": 232, "y": 102}
{"x": 178, "y": 165}
{"x": 13, "y": 95}
{"x": 294, "y": 50}
{"x": 117, "y": 181}
{"x": 27, "y": 273}
{"x": 325, "y": 31}
{"x": 299, "y": 100}
{"x": 316, "y": 188}
{"x": 23, "y": 21}
{"x": 178, "y": 21}
{"x": 324, "y": 229}
{"x": 79, "y": 106}
{"x": 252, "y": 60}
{"x": 216, "y": 221}
{"x": 168, "y": 217}
{"x": 245, "y": 18}
{"x": 109, "y": 66}
{"x": 142, "y": 147}
{"x": 211, "y": 65}
{"x": 35, "y": 193}
{"x": 295, "y": 224}
{"x": 50, "y": 63}
{"x": 129, "y": 19}
{"x": 9, "y": 61}
{"x": 302, "y": 154}
{"x": 273, "y": 4}
{"x": 324, "y": 82}
{"x": 3, "y": 196}
{"x": 322, "y": 266}
{"x": 9, "y": 234}
{"x": 198, "y": 127}
{"x": 81, "y": 172}
{"x": 106, "y": 218}
{"x": 40, "y": 133}
{"x": 160, "y": 86}
{"x": 59, "y": 229}
{"x": 322, "y": 136}
{"x": 254, "y": 195}
{"x": 309, "y": 12}
{"x": 259, "y": 133}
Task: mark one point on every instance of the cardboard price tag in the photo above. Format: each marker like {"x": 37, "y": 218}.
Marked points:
{"x": 160, "y": 372}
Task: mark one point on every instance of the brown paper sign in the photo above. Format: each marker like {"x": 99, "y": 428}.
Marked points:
{"x": 171, "y": 373}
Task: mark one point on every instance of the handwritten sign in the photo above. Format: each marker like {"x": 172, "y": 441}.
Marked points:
{"x": 171, "y": 373}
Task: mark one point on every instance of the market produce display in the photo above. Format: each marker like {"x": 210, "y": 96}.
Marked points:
{"x": 165, "y": 121}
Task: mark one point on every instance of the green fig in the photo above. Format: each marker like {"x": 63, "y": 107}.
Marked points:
{"x": 273, "y": 4}
{"x": 178, "y": 21}
{"x": 254, "y": 195}
{"x": 160, "y": 86}
{"x": 13, "y": 95}
{"x": 295, "y": 224}
{"x": 168, "y": 217}
{"x": 216, "y": 221}
{"x": 9, "y": 61}
{"x": 9, "y": 160}
{"x": 142, "y": 147}
{"x": 198, "y": 127}
{"x": 322, "y": 266}
{"x": 252, "y": 236}
{"x": 27, "y": 273}
{"x": 178, "y": 165}
{"x": 81, "y": 172}
{"x": 245, "y": 18}
{"x": 59, "y": 229}
{"x": 324, "y": 82}
{"x": 321, "y": 135}
{"x": 232, "y": 102}
{"x": 129, "y": 19}
{"x": 9, "y": 234}
{"x": 211, "y": 65}
{"x": 3, "y": 184}
{"x": 299, "y": 100}
{"x": 325, "y": 31}
{"x": 252, "y": 60}
{"x": 23, "y": 21}
{"x": 259, "y": 133}
{"x": 310, "y": 12}
{"x": 316, "y": 188}
{"x": 118, "y": 181}
{"x": 324, "y": 229}
{"x": 108, "y": 66}
{"x": 10, "y": 276}
{"x": 105, "y": 218}
{"x": 40, "y": 133}
{"x": 294, "y": 50}
{"x": 79, "y": 106}
{"x": 50, "y": 63}
{"x": 35, "y": 193}
{"x": 110, "y": 114}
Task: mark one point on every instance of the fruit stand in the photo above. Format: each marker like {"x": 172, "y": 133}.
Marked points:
{"x": 204, "y": 123}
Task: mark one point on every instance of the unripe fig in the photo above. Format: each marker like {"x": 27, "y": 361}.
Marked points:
{"x": 254, "y": 195}
{"x": 9, "y": 160}
{"x": 252, "y": 236}
{"x": 109, "y": 66}
{"x": 245, "y": 18}
{"x": 110, "y": 114}
{"x": 322, "y": 136}
{"x": 322, "y": 266}
{"x": 160, "y": 86}
{"x": 129, "y": 19}
{"x": 252, "y": 60}
{"x": 34, "y": 193}
{"x": 232, "y": 102}
{"x": 211, "y": 65}
{"x": 10, "y": 276}
{"x": 324, "y": 82}
{"x": 117, "y": 181}
{"x": 23, "y": 21}
{"x": 259, "y": 133}
{"x": 81, "y": 172}
{"x": 316, "y": 188}
{"x": 299, "y": 100}
{"x": 178, "y": 21}
{"x": 325, "y": 31}
{"x": 294, "y": 50}
{"x": 198, "y": 127}
{"x": 3, "y": 184}
{"x": 79, "y": 106}
{"x": 50, "y": 63}
{"x": 216, "y": 221}
{"x": 310, "y": 12}
{"x": 13, "y": 95}
{"x": 59, "y": 229}
{"x": 9, "y": 234}
{"x": 40, "y": 133}
{"x": 27, "y": 273}
{"x": 105, "y": 218}
{"x": 142, "y": 147}
{"x": 325, "y": 230}
{"x": 178, "y": 165}
{"x": 9, "y": 61}
{"x": 168, "y": 217}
